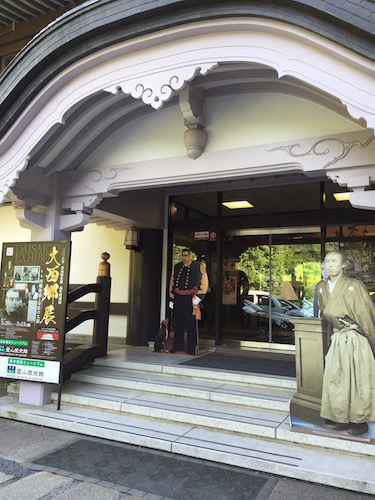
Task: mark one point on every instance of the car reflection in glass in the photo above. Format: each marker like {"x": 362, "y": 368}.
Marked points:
{"x": 301, "y": 308}
{"x": 257, "y": 320}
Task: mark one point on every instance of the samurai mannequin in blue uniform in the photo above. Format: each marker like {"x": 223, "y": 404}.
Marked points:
{"x": 188, "y": 287}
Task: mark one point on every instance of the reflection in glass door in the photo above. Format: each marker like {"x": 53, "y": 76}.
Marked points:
{"x": 268, "y": 279}
{"x": 245, "y": 315}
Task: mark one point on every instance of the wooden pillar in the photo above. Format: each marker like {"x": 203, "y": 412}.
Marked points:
{"x": 102, "y": 304}
{"x": 144, "y": 288}
{"x": 219, "y": 275}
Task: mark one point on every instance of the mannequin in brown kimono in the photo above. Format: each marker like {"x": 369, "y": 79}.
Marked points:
{"x": 348, "y": 397}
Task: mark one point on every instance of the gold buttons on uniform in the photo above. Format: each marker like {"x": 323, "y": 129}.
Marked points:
{"x": 187, "y": 276}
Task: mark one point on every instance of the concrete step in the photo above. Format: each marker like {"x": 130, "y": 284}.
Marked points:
{"x": 234, "y": 418}
{"x": 168, "y": 365}
{"x": 262, "y": 400}
{"x": 249, "y": 391}
{"x": 324, "y": 466}
{"x": 186, "y": 410}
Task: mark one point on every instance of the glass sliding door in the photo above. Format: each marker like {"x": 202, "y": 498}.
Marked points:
{"x": 269, "y": 278}
{"x": 245, "y": 277}
{"x": 296, "y": 269}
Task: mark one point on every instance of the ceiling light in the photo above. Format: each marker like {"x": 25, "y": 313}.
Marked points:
{"x": 341, "y": 196}
{"x": 237, "y": 204}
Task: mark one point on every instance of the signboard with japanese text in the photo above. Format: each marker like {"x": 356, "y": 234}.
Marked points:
{"x": 201, "y": 235}
{"x": 205, "y": 235}
{"x": 34, "y": 287}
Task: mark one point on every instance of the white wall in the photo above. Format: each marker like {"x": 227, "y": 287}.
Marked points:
{"x": 10, "y": 227}
{"x": 231, "y": 122}
{"x": 158, "y": 135}
{"x": 87, "y": 246}
{"x": 252, "y": 119}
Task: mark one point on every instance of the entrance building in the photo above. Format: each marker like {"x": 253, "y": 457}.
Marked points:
{"x": 153, "y": 114}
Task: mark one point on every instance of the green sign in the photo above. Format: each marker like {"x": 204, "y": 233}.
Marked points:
{"x": 26, "y": 362}
{"x": 23, "y": 343}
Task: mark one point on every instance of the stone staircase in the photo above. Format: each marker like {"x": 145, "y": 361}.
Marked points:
{"x": 234, "y": 418}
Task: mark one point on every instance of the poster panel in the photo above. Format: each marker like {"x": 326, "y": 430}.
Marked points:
{"x": 230, "y": 288}
{"x": 33, "y": 302}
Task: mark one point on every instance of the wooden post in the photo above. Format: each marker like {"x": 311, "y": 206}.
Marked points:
{"x": 102, "y": 304}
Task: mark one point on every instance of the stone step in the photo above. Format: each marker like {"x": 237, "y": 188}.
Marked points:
{"x": 175, "y": 369}
{"x": 234, "y": 418}
{"x": 194, "y": 411}
{"x": 343, "y": 470}
{"x": 212, "y": 388}
{"x": 262, "y": 398}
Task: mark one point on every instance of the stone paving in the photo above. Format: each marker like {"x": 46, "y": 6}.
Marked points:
{"x": 146, "y": 472}
{"x": 42, "y": 464}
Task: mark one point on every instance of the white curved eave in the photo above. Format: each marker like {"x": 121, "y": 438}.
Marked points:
{"x": 152, "y": 67}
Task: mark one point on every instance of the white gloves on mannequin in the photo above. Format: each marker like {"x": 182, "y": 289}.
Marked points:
{"x": 196, "y": 301}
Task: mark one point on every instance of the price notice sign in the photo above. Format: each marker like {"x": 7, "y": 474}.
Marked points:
{"x": 34, "y": 288}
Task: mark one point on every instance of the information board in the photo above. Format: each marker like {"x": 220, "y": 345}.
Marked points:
{"x": 34, "y": 288}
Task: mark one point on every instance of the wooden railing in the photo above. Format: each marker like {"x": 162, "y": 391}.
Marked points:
{"x": 77, "y": 356}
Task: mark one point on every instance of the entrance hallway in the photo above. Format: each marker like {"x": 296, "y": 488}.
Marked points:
{"x": 153, "y": 400}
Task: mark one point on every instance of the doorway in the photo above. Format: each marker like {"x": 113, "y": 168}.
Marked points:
{"x": 266, "y": 260}
{"x": 268, "y": 279}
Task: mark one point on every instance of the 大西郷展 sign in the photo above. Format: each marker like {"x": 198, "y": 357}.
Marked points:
{"x": 33, "y": 295}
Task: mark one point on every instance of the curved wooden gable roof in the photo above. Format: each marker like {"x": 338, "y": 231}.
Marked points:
{"x": 100, "y": 23}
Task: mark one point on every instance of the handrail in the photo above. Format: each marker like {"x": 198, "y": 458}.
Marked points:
{"x": 79, "y": 355}
{"x": 80, "y": 318}
{"x": 77, "y": 293}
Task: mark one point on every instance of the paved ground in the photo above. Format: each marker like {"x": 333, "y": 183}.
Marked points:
{"x": 43, "y": 463}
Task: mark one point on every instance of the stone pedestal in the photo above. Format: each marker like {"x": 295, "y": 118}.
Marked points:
{"x": 35, "y": 393}
{"x": 311, "y": 340}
